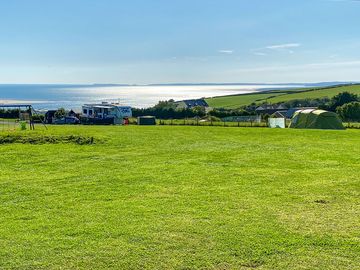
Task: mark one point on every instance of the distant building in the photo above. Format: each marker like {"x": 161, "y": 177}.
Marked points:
{"x": 50, "y": 116}
{"x": 290, "y": 112}
{"x": 191, "y": 103}
{"x": 72, "y": 113}
{"x": 269, "y": 108}
{"x": 105, "y": 113}
{"x": 279, "y": 114}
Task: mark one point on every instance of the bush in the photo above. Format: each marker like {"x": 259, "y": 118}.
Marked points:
{"x": 222, "y": 113}
{"x": 38, "y": 118}
{"x": 23, "y": 125}
{"x": 60, "y": 113}
{"x": 350, "y": 111}
{"x": 10, "y": 113}
{"x": 341, "y": 99}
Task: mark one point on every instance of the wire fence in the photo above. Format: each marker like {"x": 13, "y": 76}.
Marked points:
{"x": 199, "y": 122}
{"x": 11, "y": 124}
{"x": 18, "y": 124}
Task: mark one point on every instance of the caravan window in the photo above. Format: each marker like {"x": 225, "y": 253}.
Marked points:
{"x": 84, "y": 111}
{"x": 90, "y": 112}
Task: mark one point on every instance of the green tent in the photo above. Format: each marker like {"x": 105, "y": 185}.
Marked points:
{"x": 146, "y": 120}
{"x": 316, "y": 119}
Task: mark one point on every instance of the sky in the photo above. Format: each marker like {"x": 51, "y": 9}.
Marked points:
{"x": 179, "y": 41}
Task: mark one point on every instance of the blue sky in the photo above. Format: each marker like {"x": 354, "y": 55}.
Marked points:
{"x": 162, "y": 41}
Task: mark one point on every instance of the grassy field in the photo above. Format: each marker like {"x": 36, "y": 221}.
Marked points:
{"x": 181, "y": 197}
{"x": 232, "y": 102}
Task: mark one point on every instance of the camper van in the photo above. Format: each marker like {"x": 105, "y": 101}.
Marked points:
{"x": 106, "y": 113}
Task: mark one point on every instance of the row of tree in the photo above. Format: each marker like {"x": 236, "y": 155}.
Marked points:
{"x": 169, "y": 113}
{"x": 168, "y": 110}
{"x": 11, "y": 113}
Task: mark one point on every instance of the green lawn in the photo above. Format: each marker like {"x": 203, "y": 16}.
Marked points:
{"x": 232, "y": 102}
{"x": 173, "y": 197}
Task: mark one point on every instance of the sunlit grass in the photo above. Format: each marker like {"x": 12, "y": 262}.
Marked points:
{"x": 180, "y": 197}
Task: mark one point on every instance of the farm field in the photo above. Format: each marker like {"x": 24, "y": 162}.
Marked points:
{"x": 275, "y": 96}
{"x": 180, "y": 197}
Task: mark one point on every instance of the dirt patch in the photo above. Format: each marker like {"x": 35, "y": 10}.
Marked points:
{"x": 321, "y": 201}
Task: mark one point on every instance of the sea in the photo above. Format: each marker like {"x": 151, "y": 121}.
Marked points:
{"x": 45, "y": 96}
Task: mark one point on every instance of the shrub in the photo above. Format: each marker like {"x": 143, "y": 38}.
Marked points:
{"x": 60, "y": 113}
{"x": 350, "y": 111}
{"x": 341, "y": 99}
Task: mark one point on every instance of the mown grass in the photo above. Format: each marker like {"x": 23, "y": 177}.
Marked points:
{"x": 180, "y": 197}
{"x": 275, "y": 96}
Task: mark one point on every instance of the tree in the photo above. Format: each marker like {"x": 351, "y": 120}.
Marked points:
{"x": 349, "y": 111}
{"x": 341, "y": 99}
{"x": 60, "y": 113}
{"x": 199, "y": 111}
{"x": 167, "y": 104}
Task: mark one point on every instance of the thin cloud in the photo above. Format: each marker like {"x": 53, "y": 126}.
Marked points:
{"x": 260, "y": 53}
{"x": 283, "y": 46}
{"x": 286, "y": 47}
{"x": 226, "y": 51}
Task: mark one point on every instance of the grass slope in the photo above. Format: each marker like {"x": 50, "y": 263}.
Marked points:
{"x": 182, "y": 198}
{"x": 274, "y": 96}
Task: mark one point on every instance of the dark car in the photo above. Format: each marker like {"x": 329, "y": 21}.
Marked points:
{"x": 67, "y": 120}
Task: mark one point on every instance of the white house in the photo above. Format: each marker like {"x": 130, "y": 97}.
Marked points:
{"x": 106, "y": 112}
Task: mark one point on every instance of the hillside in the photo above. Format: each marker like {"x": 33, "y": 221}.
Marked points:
{"x": 274, "y": 96}
{"x": 180, "y": 198}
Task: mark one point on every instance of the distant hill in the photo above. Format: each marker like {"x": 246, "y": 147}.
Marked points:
{"x": 320, "y": 84}
{"x": 275, "y": 96}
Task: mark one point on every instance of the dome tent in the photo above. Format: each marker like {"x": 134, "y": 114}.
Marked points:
{"x": 316, "y": 119}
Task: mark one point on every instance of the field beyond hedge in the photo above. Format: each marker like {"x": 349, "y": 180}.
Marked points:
{"x": 181, "y": 197}
{"x": 277, "y": 96}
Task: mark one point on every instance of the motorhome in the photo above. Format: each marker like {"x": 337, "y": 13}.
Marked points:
{"x": 107, "y": 113}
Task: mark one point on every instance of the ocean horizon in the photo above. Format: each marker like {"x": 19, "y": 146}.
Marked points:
{"x": 52, "y": 96}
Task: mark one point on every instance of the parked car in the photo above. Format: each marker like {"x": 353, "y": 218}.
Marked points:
{"x": 67, "y": 120}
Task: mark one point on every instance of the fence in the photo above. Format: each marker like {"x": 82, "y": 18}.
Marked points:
{"x": 249, "y": 118}
{"x": 11, "y": 124}
{"x": 199, "y": 122}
